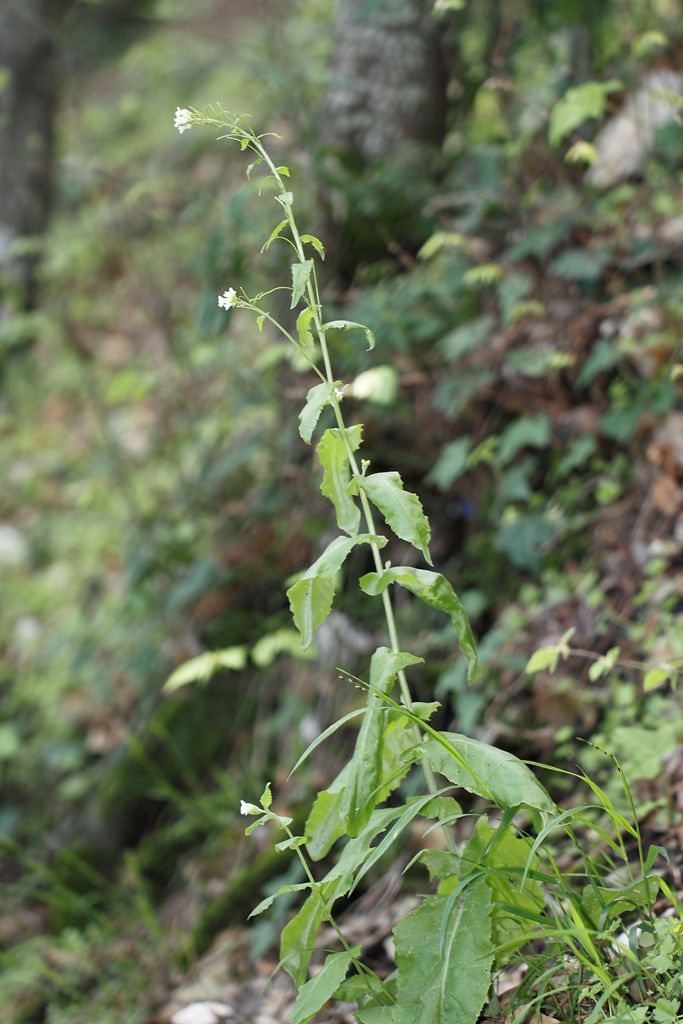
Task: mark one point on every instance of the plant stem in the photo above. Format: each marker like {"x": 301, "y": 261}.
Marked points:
{"x": 365, "y": 504}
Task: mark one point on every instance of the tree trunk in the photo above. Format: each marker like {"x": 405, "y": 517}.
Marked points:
{"x": 28, "y": 86}
{"x": 387, "y": 83}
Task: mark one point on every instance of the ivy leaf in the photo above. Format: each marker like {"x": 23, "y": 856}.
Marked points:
{"x": 311, "y": 597}
{"x": 489, "y": 772}
{"x": 440, "y": 986}
{"x": 316, "y": 992}
{"x": 350, "y": 325}
{"x": 316, "y": 400}
{"x": 332, "y": 452}
{"x": 402, "y": 510}
{"x": 361, "y": 792}
{"x": 301, "y": 272}
{"x": 434, "y": 590}
{"x": 579, "y": 104}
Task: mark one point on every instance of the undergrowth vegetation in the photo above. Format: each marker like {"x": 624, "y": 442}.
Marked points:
{"x": 160, "y": 499}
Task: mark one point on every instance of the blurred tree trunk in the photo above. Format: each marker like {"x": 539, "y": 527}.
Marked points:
{"x": 28, "y": 87}
{"x": 387, "y": 83}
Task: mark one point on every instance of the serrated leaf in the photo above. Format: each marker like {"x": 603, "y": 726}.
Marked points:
{"x": 450, "y": 985}
{"x": 316, "y": 992}
{"x": 316, "y": 243}
{"x": 311, "y": 597}
{"x": 303, "y": 326}
{"x": 301, "y": 273}
{"x": 269, "y": 900}
{"x": 201, "y": 668}
{"x": 434, "y": 590}
{"x": 493, "y": 773}
{"x": 275, "y": 233}
{"x": 316, "y": 400}
{"x": 332, "y": 452}
{"x": 361, "y": 792}
{"x": 351, "y": 325}
{"x": 401, "y": 509}
{"x": 297, "y": 942}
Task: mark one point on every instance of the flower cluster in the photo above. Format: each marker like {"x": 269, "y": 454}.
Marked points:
{"x": 228, "y": 299}
{"x": 182, "y": 120}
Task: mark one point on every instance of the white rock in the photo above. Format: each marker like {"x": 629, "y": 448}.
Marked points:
{"x": 202, "y": 1013}
{"x": 13, "y": 545}
{"x": 625, "y": 141}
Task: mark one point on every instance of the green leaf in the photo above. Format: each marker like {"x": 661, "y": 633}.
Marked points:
{"x": 316, "y": 400}
{"x": 449, "y": 985}
{"x": 361, "y": 791}
{"x": 493, "y": 773}
{"x": 349, "y": 325}
{"x": 451, "y": 463}
{"x": 201, "y": 668}
{"x": 374, "y": 1015}
{"x": 654, "y": 677}
{"x": 311, "y": 597}
{"x": 543, "y": 658}
{"x": 269, "y": 900}
{"x": 303, "y": 326}
{"x": 332, "y": 452}
{"x": 316, "y": 243}
{"x": 434, "y": 590}
{"x": 266, "y": 798}
{"x": 301, "y": 272}
{"x": 316, "y": 992}
{"x": 579, "y": 104}
{"x": 379, "y": 385}
{"x": 402, "y": 510}
{"x": 275, "y": 233}
{"x": 297, "y": 942}
{"x": 525, "y": 432}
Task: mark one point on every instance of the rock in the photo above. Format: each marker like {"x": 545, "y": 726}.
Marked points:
{"x": 203, "y": 1013}
{"x": 626, "y": 140}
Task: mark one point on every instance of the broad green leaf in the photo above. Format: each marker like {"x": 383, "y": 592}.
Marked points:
{"x": 301, "y": 272}
{"x": 297, "y": 942}
{"x": 401, "y": 509}
{"x": 506, "y": 856}
{"x": 350, "y": 325}
{"x": 326, "y": 822}
{"x": 275, "y": 233}
{"x": 316, "y": 992}
{"x": 435, "y": 591}
{"x": 654, "y": 677}
{"x": 578, "y": 104}
{"x": 362, "y": 787}
{"x": 446, "y": 986}
{"x": 603, "y": 904}
{"x": 332, "y": 452}
{"x": 303, "y": 329}
{"x": 269, "y": 900}
{"x": 379, "y": 384}
{"x": 311, "y": 597}
{"x": 316, "y": 243}
{"x": 341, "y": 876}
{"x": 316, "y": 400}
{"x": 506, "y": 779}
{"x": 374, "y": 1015}
{"x": 201, "y": 668}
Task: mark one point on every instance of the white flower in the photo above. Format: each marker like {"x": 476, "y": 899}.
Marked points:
{"x": 228, "y": 299}
{"x": 246, "y": 808}
{"x": 183, "y": 119}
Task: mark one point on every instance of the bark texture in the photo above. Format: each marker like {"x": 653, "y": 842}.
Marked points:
{"x": 387, "y": 82}
{"x": 28, "y": 87}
